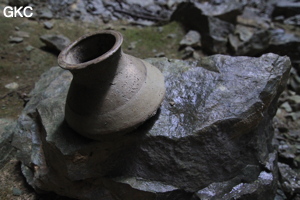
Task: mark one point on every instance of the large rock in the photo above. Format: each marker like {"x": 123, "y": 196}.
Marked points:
{"x": 212, "y": 134}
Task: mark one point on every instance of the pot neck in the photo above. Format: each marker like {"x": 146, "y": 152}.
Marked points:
{"x": 102, "y": 71}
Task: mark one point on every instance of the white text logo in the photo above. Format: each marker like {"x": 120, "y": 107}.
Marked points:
{"x": 14, "y": 11}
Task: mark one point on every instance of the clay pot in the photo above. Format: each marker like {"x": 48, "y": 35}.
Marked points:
{"x": 111, "y": 92}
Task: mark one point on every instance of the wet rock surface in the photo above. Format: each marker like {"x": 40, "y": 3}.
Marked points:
{"x": 212, "y": 133}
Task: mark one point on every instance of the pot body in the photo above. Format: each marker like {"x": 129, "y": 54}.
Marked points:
{"x": 111, "y": 92}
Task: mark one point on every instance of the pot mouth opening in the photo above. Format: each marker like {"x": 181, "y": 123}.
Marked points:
{"x": 90, "y": 49}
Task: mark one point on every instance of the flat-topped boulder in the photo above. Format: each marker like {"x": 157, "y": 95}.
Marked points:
{"x": 211, "y": 137}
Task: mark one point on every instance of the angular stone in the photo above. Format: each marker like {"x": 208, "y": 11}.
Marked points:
{"x": 45, "y": 13}
{"x": 295, "y": 99}
{"x": 17, "y": 191}
{"x": 55, "y": 42}
{"x": 295, "y": 20}
{"x": 286, "y": 106}
{"x": 294, "y": 81}
{"x": 95, "y": 7}
{"x": 289, "y": 179}
{"x": 254, "y": 18}
{"x": 284, "y": 43}
{"x": 21, "y": 34}
{"x": 286, "y": 8}
{"x": 48, "y": 25}
{"x": 214, "y": 31}
{"x": 218, "y": 128}
{"x": 226, "y": 10}
{"x": 15, "y": 39}
{"x": 12, "y": 86}
{"x": 192, "y": 38}
{"x": 249, "y": 41}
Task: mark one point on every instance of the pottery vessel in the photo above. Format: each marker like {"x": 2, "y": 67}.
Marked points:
{"x": 111, "y": 92}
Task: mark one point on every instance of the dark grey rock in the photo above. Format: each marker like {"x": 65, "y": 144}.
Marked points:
{"x": 294, "y": 116}
{"x": 286, "y": 106}
{"x": 141, "y": 3}
{"x": 295, "y": 20}
{"x": 253, "y": 17}
{"x": 286, "y": 8}
{"x": 188, "y": 52}
{"x": 249, "y": 41}
{"x": 15, "y": 39}
{"x": 44, "y": 13}
{"x": 289, "y": 179}
{"x": 214, "y": 31}
{"x": 286, "y": 151}
{"x": 22, "y": 34}
{"x": 218, "y": 128}
{"x": 48, "y": 25}
{"x": 17, "y": 191}
{"x": 171, "y": 35}
{"x": 284, "y": 43}
{"x": 95, "y": 7}
{"x": 29, "y": 48}
{"x": 226, "y": 10}
{"x": 263, "y": 6}
{"x": 294, "y": 99}
{"x": 251, "y": 35}
{"x": 280, "y": 195}
{"x": 55, "y": 42}
{"x": 160, "y": 54}
{"x": 217, "y": 38}
{"x": 141, "y": 22}
{"x": 294, "y": 81}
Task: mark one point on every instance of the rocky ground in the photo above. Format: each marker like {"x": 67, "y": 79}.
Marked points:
{"x": 163, "y": 28}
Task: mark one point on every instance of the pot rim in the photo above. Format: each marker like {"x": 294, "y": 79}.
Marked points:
{"x": 71, "y": 66}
